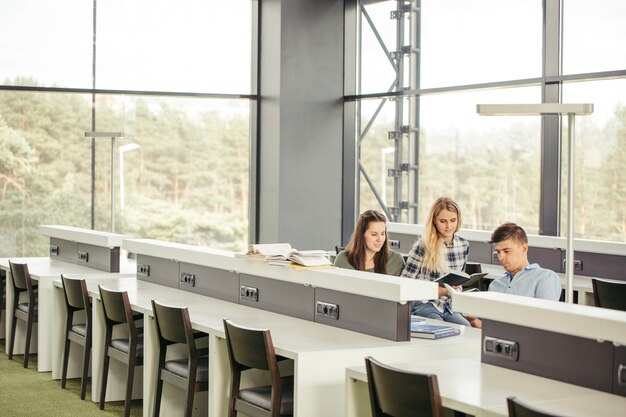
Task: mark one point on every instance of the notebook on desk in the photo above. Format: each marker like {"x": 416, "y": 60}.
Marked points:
{"x": 423, "y": 330}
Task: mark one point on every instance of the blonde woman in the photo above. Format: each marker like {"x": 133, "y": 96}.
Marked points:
{"x": 436, "y": 253}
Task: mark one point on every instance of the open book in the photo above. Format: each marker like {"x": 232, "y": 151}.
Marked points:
{"x": 455, "y": 278}
{"x": 301, "y": 257}
{"x": 265, "y": 251}
{"x": 424, "y": 330}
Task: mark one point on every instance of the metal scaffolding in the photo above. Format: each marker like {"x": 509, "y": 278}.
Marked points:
{"x": 405, "y": 60}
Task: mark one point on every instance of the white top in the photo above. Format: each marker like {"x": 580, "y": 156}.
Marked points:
{"x": 573, "y": 319}
{"x": 369, "y": 284}
{"x": 77, "y": 234}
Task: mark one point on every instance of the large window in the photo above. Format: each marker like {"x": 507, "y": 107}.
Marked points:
{"x": 174, "y": 76}
{"x": 424, "y": 65}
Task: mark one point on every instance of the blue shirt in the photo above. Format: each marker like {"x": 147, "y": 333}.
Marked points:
{"x": 530, "y": 281}
{"x": 455, "y": 257}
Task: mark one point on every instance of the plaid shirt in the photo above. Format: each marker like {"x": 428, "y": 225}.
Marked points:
{"x": 455, "y": 255}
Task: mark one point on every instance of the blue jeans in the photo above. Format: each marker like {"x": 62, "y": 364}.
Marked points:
{"x": 429, "y": 311}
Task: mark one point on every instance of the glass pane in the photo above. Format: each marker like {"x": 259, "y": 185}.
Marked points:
{"x": 164, "y": 45}
{"x": 46, "y": 43}
{"x": 593, "y": 36}
{"x": 468, "y": 42}
{"x": 45, "y": 168}
{"x": 600, "y": 176}
{"x": 461, "y": 42}
{"x": 490, "y": 165}
{"x": 183, "y": 174}
{"x": 377, "y": 72}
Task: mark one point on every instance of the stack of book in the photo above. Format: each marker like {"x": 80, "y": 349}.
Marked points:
{"x": 284, "y": 254}
{"x": 424, "y": 330}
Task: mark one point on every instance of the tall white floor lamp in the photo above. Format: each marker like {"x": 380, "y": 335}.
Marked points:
{"x": 552, "y": 108}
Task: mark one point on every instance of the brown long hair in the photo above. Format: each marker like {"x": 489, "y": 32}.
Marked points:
{"x": 355, "y": 251}
{"x": 433, "y": 254}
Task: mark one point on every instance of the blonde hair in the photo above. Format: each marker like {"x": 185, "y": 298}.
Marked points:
{"x": 433, "y": 244}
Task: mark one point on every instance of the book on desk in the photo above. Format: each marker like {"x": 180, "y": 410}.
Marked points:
{"x": 284, "y": 254}
{"x": 423, "y": 330}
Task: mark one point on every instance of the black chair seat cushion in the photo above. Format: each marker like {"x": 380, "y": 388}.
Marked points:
{"x": 24, "y": 307}
{"x": 262, "y": 396}
{"x": 80, "y": 329}
{"x": 123, "y": 345}
{"x": 179, "y": 367}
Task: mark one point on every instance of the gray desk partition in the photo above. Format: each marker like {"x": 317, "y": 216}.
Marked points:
{"x": 572, "y": 359}
{"x": 376, "y": 317}
{"x": 92, "y": 256}
{"x": 212, "y": 282}
{"x": 290, "y": 299}
{"x": 158, "y": 270}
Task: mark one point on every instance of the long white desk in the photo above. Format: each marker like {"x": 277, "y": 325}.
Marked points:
{"x": 44, "y": 270}
{"x": 478, "y": 389}
{"x": 320, "y": 353}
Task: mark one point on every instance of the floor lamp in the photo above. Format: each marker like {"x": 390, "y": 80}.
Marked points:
{"x": 552, "y": 108}
{"x": 113, "y": 136}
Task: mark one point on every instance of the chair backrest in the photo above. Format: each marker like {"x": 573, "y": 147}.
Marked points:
{"x": 20, "y": 276}
{"x": 249, "y": 348}
{"x": 398, "y": 393}
{"x": 173, "y": 324}
{"x": 518, "y": 408}
{"x": 609, "y": 294}
{"x": 75, "y": 290}
{"x": 116, "y": 306}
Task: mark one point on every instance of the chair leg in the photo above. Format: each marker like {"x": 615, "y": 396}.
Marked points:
{"x": 190, "y": 394}
{"x": 29, "y": 331}
{"x": 157, "y": 396}
{"x": 105, "y": 374}
{"x": 129, "y": 384}
{"x": 66, "y": 354}
{"x": 83, "y": 381}
{"x": 12, "y": 342}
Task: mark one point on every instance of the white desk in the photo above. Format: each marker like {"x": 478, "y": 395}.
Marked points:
{"x": 469, "y": 386}
{"x": 320, "y": 353}
{"x": 44, "y": 270}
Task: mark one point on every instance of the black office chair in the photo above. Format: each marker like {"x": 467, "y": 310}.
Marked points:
{"x": 398, "y": 393}
{"x": 26, "y": 311}
{"x": 518, "y": 408}
{"x": 128, "y": 350}
{"x": 191, "y": 373}
{"x": 609, "y": 294}
{"x": 253, "y": 348}
{"x": 76, "y": 300}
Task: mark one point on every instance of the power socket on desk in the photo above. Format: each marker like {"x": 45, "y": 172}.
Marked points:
{"x": 187, "y": 279}
{"x": 506, "y": 349}
{"x": 83, "y": 256}
{"x": 54, "y": 250}
{"x": 249, "y": 293}
{"x": 327, "y": 310}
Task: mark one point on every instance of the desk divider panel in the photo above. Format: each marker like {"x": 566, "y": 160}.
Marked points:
{"x": 572, "y": 359}
{"x": 290, "y": 299}
{"x": 63, "y": 250}
{"x": 212, "y": 282}
{"x": 158, "y": 270}
{"x": 99, "y": 257}
{"x": 373, "y": 316}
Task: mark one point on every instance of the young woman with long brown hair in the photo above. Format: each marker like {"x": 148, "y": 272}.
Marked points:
{"x": 368, "y": 249}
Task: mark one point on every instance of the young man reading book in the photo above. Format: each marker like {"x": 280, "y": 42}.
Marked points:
{"x": 521, "y": 277}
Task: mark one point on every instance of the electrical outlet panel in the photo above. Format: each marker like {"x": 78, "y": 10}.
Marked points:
{"x": 143, "y": 270}
{"x": 249, "y": 293}
{"x": 83, "y": 256}
{"x": 394, "y": 244}
{"x": 188, "y": 279}
{"x": 578, "y": 265}
{"x": 505, "y": 349}
{"x": 54, "y": 250}
{"x": 327, "y": 310}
